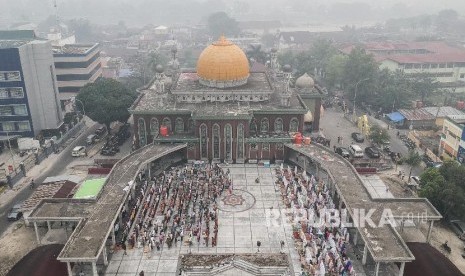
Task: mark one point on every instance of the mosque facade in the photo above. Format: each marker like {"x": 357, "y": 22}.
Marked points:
{"x": 224, "y": 110}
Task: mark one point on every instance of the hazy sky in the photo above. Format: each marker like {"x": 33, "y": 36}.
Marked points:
{"x": 141, "y": 12}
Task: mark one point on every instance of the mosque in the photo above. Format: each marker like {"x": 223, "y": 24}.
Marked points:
{"x": 224, "y": 110}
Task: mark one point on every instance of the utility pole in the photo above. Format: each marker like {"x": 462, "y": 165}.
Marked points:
{"x": 355, "y": 97}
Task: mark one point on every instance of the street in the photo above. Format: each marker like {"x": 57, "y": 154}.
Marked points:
{"x": 334, "y": 124}
{"x": 56, "y": 168}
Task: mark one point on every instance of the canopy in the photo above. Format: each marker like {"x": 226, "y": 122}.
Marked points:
{"x": 395, "y": 117}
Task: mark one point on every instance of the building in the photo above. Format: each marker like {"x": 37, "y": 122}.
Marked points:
{"x": 452, "y": 144}
{"x": 436, "y": 59}
{"x": 28, "y": 88}
{"x": 76, "y": 65}
{"x": 225, "y": 111}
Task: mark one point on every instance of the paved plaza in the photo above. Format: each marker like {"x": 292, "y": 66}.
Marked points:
{"x": 242, "y": 222}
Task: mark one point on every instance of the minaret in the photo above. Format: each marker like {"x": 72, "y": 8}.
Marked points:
{"x": 285, "y": 93}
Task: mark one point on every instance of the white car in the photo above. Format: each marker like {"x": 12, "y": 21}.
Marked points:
{"x": 79, "y": 151}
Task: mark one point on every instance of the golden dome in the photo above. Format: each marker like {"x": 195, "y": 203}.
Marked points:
{"x": 223, "y": 64}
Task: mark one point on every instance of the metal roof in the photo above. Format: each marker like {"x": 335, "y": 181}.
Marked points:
{"x": 416, "y": 114}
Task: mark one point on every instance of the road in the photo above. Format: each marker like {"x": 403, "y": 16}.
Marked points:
{"x": 334, "y": 124}
{"x": 58, "y": 166}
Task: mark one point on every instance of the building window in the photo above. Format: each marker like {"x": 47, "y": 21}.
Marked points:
{"x": 228, "y": 142}
{"x": 216, "y": 141}
{"x": 294, "y": 125}
{"x": 179, "y": 125}
{"x": 154, "y": 127}
{"x": 142, "y": 132}
{"x": 20, "y": 109}
{"x": 8, "y": 126}
{"x": 278, "y": 125}
{"x": 265, "y": 146}
{"x": 203, "y": 142}
{"x": 167, "y": 123}
{"x": 16, "y": 92}
{"x": 4, "y": 93}
{"x": 442, "y": 65}
{"x": 462, "y": 76}
{"x": 190, "y": 124}
{"x": 10, "y": 76}
{"x": 264, "y": 125}
{"x": 24, "y": 126}
{"x": 5, "y": 110}
{"x": 240, "y": 141}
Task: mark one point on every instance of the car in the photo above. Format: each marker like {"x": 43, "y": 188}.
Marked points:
{"x": 356, "y": 151}
{"x": 79, "y": 151}
{"x": 100, "y": 131}
{"x": 358, "y": 137}
{"x": 458, "y": 227}
{"x": 15, "y": 213}
{"x": 372, "y": 152}
{"x": 416, "y": 179}
{"x": 343, "y": 152}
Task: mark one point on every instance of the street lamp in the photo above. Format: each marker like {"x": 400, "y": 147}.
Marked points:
{"x": 355, "y": 96}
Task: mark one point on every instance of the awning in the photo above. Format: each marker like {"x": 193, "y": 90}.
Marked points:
{"x": 395, "y": 117}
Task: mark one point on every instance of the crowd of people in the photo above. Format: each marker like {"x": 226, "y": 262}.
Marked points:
{"x": 322, "y": 246}
{"x": 177, "y": 205}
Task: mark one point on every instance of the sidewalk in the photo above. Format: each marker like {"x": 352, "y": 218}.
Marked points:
{"x": 9, "y": 194}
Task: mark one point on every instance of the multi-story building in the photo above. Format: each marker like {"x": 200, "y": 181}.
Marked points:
{"x": 439, "y": 60}
{"x": 452, "y": 144}
{"x": 76, "y": 65}
{"x": 28, "y": 88}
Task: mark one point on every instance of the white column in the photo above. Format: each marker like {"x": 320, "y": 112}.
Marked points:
{"x": 37, "y": 232}
{"x": 377, "y": 269}
{"x": 430, "y": 230}
{"x": 356, "y": 237}
{"x": 94, "y": 268}
{"x": 364, "y": 257}
{"x": 49, "y": 226}
{"x": 70, "y": 271}
{"x": 113, "y": 237}
{"x": 105, "y": 257}
{"x": 401, "y": 269}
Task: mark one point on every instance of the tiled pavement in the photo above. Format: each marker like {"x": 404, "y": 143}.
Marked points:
{"x": 238, "y": 232}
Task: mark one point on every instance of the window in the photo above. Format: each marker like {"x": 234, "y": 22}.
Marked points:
{"x": 179, "y": 125}
{"x": 240, "y": 141}
{"x": 8, "y": 126}
{"x": 462, "y": 76}
{"x": 264, "y": 125}
{"x": 228, "y": 142}
{"x": 278, "y": 125}
{"x": 4, "y": 93}
{"x": 16, "y": 92}
{"x": 216, "y": 141}
{"x": 408, "y": 66}
{"x": 442, "y": 65}
{"x": 5, "y": 110}
{"x": 10, "y": 76}
{"x": 142, "y": 132}
{"x": 450, "y": 65}
{"x": 24, "y": 126}
{"x": 154, "y": 127}
{"x": 203, "y": 141}
{"x": 167, "y": 123}
{"x": 20, "y": 109}
{"x": 294, "y": 125}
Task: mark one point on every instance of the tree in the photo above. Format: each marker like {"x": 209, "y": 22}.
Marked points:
{"x": 360, "y": 66}
{"x": 220, "y": 23}
{"x": 443, "y": 190}
{"x": 255, "y": 52}
{"x": 106, "y": 101}
{"x": 413, "y": 159}
{"x": 322, "y": 50}
{"x": 393, "y": 91}
{"x": 335, "y": 70}
{"x": 269, "y": 40}
{"x": 423, "y": 86}
{"x": 378, "y": 134}
{"x": 156, "y": 58}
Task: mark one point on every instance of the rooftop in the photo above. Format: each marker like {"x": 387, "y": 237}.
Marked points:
{"x": 74, "y": 49}
{"x": 17, "y": 35}
{"x": 443, "y": 111}
{"x": 5, "y": 44}
{"x": 416, "y": 114}
{"x": 384, "y": 243}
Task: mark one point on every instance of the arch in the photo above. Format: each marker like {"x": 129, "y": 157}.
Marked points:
{"x": 228, "y": 142}
{"x": 179, "y": 125}
{"x": 240, "y": 142}
{"x": 190, "y": 125}
{"x": 216, "y": 141}
{"x": 154, "y": 127}
{"x": 167, "y": 123}
{"x": 294, "y": 125}
{"x": 278, "y": 125}
{"x": 142, "y": 132}
{"x": 264, "y": 125}
{"x": 203, "y": 129}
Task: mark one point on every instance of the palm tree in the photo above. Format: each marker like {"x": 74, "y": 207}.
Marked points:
{"x": 413, "y": 159}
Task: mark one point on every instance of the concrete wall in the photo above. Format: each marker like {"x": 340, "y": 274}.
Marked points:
{"x": 41, "y": 87}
